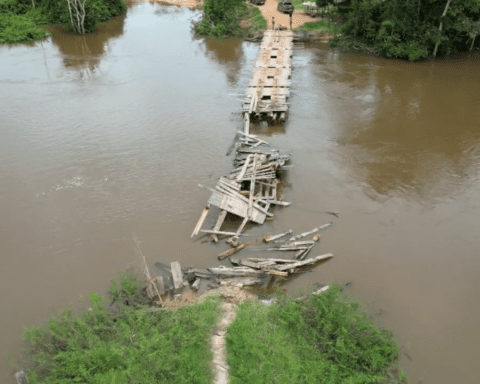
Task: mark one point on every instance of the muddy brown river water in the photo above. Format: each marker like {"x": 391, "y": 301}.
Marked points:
{"x": 108, "y": 135}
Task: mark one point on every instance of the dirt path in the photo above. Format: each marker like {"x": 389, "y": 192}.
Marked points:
{"x": 231, "y": 295}
{"x": 269, "y": 10}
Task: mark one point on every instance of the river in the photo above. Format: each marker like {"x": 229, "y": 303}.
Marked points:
{"x": 108, "y": 135}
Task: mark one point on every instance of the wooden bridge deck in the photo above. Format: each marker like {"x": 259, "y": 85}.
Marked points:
{"x": 269, "y": 89}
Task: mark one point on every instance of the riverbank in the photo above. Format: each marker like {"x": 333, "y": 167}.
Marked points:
{"x": 22, "y": 23}
{"x": 128, "y": 338}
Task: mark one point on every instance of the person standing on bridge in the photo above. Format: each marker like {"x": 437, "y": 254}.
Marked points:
{"x": 273, "y": 23}
{"x": 290, "y": 14}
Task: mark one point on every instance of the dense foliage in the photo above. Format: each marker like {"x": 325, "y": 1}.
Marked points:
{"x": 127, "y": 342}
{"x": 19, "y": 29}
{"x": 224, "y": 18}
{"x": 410, "y": 29}
{"x": 19, "y": 19}
{"x": 322, "y": 340}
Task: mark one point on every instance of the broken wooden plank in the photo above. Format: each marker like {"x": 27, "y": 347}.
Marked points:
{"x": 240, "y": 207}
{"x": 323, "y": 289}
{"x": 276, "y": 273}
{"x": 252, "y": 186}
{"x": 244, "y": 168}
{"x": 304, "y": 262}
{"x": 268, "y": 239}
{"x": 258, "y": 260}
{"x": 158, "y": 281}
{"x": 218, "y": 224}
{"x": 237, "y": 206}
{"x": 177, "y": 275}
{"x": 196, "y": 284}
{"x": 235, "y": 272}
{"x": 201, "y": 220}
{"x": 310, "y": 232}
{"x": 232, "y": 251}
{"x": 218, "y": 232}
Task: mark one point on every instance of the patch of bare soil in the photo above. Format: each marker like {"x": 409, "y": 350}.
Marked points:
{"x": 269, "y": 10}
{"x": 232, "y": 294}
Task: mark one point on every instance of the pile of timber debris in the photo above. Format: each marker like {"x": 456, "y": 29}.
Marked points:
{"x": 245, "y": 272}
{"x": 249, "y": 189}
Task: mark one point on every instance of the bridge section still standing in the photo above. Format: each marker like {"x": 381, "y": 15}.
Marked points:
{"x": 269, "y": 89}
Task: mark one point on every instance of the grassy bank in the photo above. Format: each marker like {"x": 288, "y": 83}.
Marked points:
{"x": 321, "y": 340}
{"x": 127, "y": 342}
{"x": 21, "y": 20}
{"x": 126, "y": 339}
{"x": 321, "y": 25}
{"x": 223, "y": 18}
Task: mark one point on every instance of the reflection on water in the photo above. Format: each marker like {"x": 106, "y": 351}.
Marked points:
{"x": 84, "y": 52}
{"x": 409, "y": 127}
{"x": 228, "y": 53}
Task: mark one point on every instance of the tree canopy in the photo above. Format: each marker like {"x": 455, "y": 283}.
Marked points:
{"x": 411, "y": 29}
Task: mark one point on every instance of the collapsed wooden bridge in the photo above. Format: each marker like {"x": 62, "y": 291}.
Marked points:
{"x": 251, "y": 187}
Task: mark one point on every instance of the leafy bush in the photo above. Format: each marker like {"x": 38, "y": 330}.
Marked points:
{"x": 222, "y": 18}
{"x": 124, "y": 343}
{"x": 16, "y": 29}
{"x": 323, "y": 340}
{"x": 18, "y": 18}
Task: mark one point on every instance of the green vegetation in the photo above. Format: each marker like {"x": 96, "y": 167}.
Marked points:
{"x": 126, "y": 342}
{"x": 409, "y": 29}
{"x": 19, "y": 29}
{"x": 20, "y": 19}
{"x": 224, "y": 18}
{"x": 322, "y": 340}
{"x": 321, "y": 25}
{"x": 257, "y": 20}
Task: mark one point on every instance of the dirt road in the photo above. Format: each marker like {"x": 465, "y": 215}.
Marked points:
{"x": 269, "y": 10}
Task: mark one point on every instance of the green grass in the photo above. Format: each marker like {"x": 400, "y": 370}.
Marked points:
{"x": 326, "y": 26}
{"x": 15, "y": 29}
{"x": 124, "y": 343}
{"x": 257, "y": 20}
{"x": 323, "y": 340}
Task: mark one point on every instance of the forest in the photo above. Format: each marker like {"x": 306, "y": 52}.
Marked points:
{"x": 407, "y": 29}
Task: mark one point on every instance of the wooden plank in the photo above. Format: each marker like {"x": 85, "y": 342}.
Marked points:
{"x": 218, "y": 232}
{"x": 252, "y": 186}
{"x": 160, "y": 285}
{"x": 244, "y": 168}
{"x": 236, "y": 206}
{"x": 277, "y": 273}
{"x": 258, "y": 259}
{"x": 304, "y": 262}
{"x": 242, "y": 225}
{"x": 268, "y": 239}
{"x": 236, "y": 271}
{"x": 177, "y": 275}
{"x": 247, "y": 123}
{"x": 242, "y": 198}
{"x": 201, "y": 220}
{"x": 310, "y": 232}
{"x": 232, "y": 251}
{"x": 218, "y": 224}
